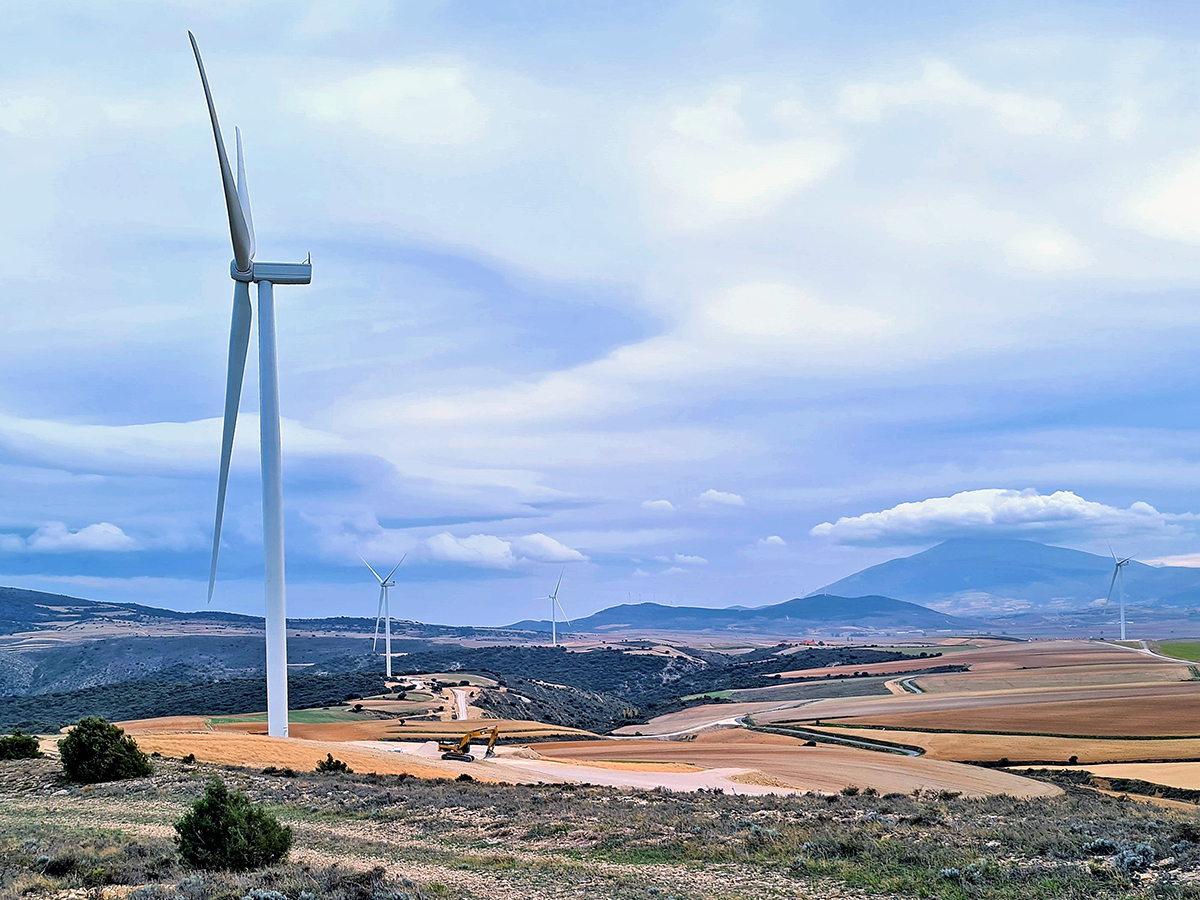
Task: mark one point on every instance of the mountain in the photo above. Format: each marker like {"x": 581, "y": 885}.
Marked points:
{"x": 821, "y": 613}
{"x": 22, "y": 610}
{"x": 969, "y": 576}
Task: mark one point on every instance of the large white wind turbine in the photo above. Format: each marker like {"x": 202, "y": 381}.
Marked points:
{"x": 384, "y": 611}
{"x": 245, "y": 270}
{"x": 1119, "y": 575}
{"x": 555, "y": 609}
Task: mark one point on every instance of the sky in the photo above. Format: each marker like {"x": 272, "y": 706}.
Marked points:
{"x": 695, "y": 303}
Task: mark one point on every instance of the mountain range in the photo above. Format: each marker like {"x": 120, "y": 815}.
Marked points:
{"x": 822, "y": 612}
{"x": 993, "y": 578}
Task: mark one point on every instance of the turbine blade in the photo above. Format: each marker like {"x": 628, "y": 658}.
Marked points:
{"x": 239, "y": 232}
{"x": 554, "y": 596}
{"x": 378, "y": 616}
{"x": 373, "y": 572}
{"x": 239, "y": 343}
{"x": 1111, "y": 584}
{"x": 395, "y": 567}
{"x": 1110, "y": 549}
{"x": 564, "y": 612}
{"x": 243, "y": 190}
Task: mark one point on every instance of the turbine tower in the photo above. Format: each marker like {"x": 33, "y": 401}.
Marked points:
{"x": 1118, "y": 575}
{"x": 384, "y": 611}
{"x": 555, "y": 609}
{"x": 245, "y": 270}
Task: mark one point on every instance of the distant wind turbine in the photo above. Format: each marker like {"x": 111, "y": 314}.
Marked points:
{"x": 1118, "y": 575}
{"x": 266, "y": 275}
{"x": 385, "y": 611}
{"x": 555, "y": 609}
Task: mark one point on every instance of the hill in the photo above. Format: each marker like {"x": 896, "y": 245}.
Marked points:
{"x": 821, "y": 613}
{"x": 968, "y": 576}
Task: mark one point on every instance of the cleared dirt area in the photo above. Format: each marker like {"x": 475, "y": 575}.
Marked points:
{"x": 822, "y": 768}
{"x": 968, "y": 747}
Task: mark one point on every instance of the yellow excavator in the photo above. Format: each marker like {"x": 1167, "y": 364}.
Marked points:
{"x": 461, "y": 749}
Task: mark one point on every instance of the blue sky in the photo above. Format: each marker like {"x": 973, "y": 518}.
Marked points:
{"x": 709, "y": 303}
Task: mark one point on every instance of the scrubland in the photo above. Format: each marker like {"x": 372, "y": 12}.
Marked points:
{"x": 376, "y": 837}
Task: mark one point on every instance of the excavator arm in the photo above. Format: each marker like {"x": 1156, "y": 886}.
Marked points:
{"x": 461, "y": 750}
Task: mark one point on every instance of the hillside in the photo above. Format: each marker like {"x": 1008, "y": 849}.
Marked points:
{"x": 968, "y": 576}
{"x": 821, "y": 613}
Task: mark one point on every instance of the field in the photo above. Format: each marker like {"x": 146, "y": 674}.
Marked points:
{"x": 1181, "y": 649}
{"x": 791, "y": 764}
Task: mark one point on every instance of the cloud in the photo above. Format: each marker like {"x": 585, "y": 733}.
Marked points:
{"x": 55, "y": 537}
{"x": 658, "y": 505}
{"x": 997, "y": 512}
{"x": 721, "y": 498}
{"x": 683, "y": 560}
{"x": 431, "y": 105}
{"x": 772, "y": 541}
{"x": 941, "y": 85}
{"x": 541, "y": 548}
{"x": 484, "y": 550}
{"x": 1188, "y": 560}
{"x": 1171, "y": 208}
{"x": 708, "y": 166}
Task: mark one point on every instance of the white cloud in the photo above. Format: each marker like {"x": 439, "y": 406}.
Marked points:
{"x": 484, "y": 550}
{"x": 942, "y": 85}
{"x": 55, "y": 537}
{"x": 541, "y": 548}
{"x": 997, "y": 512}
{"x": 708, "y": 165}
{"x": 658, "y": 505}
{"x": 432, "y": 105}
{"x": 683, "y": 560}
{"x": 721, "y": 498}
{"x": 1171, "y": 208}
{"x": 772, "y": 541}
{"x": 1188, "y": 560}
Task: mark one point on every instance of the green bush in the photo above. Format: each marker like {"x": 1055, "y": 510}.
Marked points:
{"x": 19, "y": 746}
{"x": 329, "y": 764}
{"x": 224, "y": 830}
{"x": 95, "y": 751}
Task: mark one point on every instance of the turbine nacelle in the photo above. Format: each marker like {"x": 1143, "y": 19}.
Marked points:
{"x": 276, "y": 273}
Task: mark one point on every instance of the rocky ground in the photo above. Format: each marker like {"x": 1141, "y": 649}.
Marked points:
{"x": 392, "y": 838}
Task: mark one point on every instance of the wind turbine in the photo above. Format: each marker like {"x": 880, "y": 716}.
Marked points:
{"x": 1118, "y": 575}
{"x": 555, "y": 609}
{"x": 385, "y": 610}
{"x": 245, "y": 270}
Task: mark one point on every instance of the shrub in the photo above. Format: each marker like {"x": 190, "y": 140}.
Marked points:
{"x": 329, "y": 764}
{"x": 189, "y": 759}
{"x": 19, "y": 746}
{"x": 95, "y": 751}
{"x": 224, "y": 830}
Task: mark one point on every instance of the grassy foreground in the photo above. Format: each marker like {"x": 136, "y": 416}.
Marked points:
{"x": 388, "y": 838}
